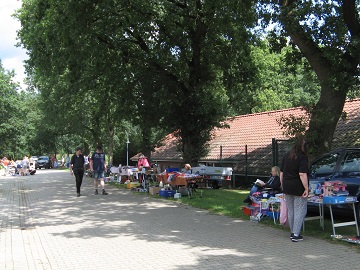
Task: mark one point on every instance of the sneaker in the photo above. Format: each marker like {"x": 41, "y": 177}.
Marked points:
{"x": 104, "y": 192}
{"x": 78, "y": 195}
{"x": 96, "y": 192}
{"x": 291, "y": 236}
{"x": 297, "y": 238}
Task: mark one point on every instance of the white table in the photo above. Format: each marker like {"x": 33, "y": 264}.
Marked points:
{"x": 343, "y": 224}
{"x": 334, "y": 225}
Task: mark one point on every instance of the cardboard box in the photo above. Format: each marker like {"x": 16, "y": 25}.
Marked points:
{"x": 154, "y": 190}
{"x": 183, "y": 191}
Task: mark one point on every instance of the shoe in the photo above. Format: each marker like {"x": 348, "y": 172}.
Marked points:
{"x": 291, "y": 236}
{"x": 297, "y": 238}
{"x": 96, "y": 192}
{"x": 104, "y": 192}
{"x": 247, "y": 200}
{"x": 78, "y": 195}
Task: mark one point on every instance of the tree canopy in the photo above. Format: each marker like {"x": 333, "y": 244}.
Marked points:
{"x": 186, "y": 54}
{"x": 327, "y": 34}
{"x": 104, "y": 68}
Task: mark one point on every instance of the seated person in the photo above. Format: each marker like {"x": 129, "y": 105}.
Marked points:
{"x": 273, "y": 183}
{"x": 187, "y": 169}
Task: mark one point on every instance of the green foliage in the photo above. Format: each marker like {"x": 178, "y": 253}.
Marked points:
{"x": 120, "y": 58}
{"x": 327, "y": 35}
{"x": 18, "y": 113}
{"x": 104, "y": 68}
{"x": 281, "y": 85}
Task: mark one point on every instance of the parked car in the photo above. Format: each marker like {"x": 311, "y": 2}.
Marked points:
{"x": 43, "y": 162}
{"x": 214, "y": 176}
{"x": 338, "y": 165}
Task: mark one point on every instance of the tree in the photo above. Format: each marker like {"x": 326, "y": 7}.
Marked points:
{"x": 280, "y": 84}
{"x": 188, "y": 47}
{"x": 328, "y": 35}
{"x": 18, "y": 116}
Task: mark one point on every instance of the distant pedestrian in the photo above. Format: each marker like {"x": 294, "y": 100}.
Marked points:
{"x": 67, "y": 160}
{"x": 77, "y": 168}
{"x": 24, "y": 165}
{"x": 295, "y": 185}
{"x": 98, "y": 166}
{"x": 52, "y": 158}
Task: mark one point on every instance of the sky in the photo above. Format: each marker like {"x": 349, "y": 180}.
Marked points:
{"x": 11, "y": 57}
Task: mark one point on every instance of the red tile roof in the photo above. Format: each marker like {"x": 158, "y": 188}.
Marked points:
{"x": 257, "y": 131}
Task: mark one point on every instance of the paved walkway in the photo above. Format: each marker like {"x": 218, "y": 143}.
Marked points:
{"x": 45, "y": 226}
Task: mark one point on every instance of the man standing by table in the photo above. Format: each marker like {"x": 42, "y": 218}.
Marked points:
{"x": 98, "y": 166}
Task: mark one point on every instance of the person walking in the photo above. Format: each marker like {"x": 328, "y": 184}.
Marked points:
{"x": 295, "y": 185}
{"x": 98, "y": 166}
{"x": 67, "y": 160}
{"x": 52, "y": 158}
{"x": 77, "y": 168}
{"x": 24, "y": 165}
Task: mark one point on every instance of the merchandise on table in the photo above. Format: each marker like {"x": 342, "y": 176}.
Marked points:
{"x": 330, "y": 192}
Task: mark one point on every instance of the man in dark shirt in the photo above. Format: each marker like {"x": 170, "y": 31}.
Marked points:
{"x": 77, "y": 168}
{"x": 98, "y": 165}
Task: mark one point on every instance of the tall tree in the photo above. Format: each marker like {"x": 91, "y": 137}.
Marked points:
{"x": 328, "y": 36}
{"x": 18, "y": 115}
{"x": 189, "y": 46}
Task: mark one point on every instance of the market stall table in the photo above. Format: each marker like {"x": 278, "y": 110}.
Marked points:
{"x": 348, "y": 200}
{"x": 329, "y": 201}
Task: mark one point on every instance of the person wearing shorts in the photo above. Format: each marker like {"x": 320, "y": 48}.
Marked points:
{"x": 98, "y": 166}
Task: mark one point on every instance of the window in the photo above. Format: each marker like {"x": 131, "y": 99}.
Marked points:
{"x": 325, "y": 165}
{"x": 351, "y": 162}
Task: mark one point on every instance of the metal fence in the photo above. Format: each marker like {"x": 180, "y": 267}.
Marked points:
{"x": 249, "y": 161}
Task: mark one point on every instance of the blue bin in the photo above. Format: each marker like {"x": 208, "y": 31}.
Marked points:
{"x": 168, "y": 170}
{"x": 166, "y": 193}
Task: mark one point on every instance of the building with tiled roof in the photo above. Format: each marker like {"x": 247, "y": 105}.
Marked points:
{"x": 253, "y": 143}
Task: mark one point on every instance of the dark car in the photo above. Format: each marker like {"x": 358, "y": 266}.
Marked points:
{"x": 338, "y": 165}
{"x": 43, "y": 162}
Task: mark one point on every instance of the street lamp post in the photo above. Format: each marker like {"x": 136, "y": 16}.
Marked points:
{"x": 127, "y": 149}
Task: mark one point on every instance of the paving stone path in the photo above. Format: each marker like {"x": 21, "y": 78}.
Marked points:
{"x": 43, "y": 225}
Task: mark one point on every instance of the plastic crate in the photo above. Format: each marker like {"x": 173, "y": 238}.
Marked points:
{"x": 247, "y": 211}
{"x": 273, "y": 214}
{"x": 132, "y": 184}
{"x": 166, "y": 193}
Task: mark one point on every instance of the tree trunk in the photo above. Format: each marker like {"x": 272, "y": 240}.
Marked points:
{"x": 335, "y": 71}
{"x": 111, "y": 144}
{"x": 324, "y": 118}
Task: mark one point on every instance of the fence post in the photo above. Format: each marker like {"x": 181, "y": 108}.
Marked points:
{"x": 221, "y": 149}
{"x": 273, "y": 144}
{"x": 246, "y": 163}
